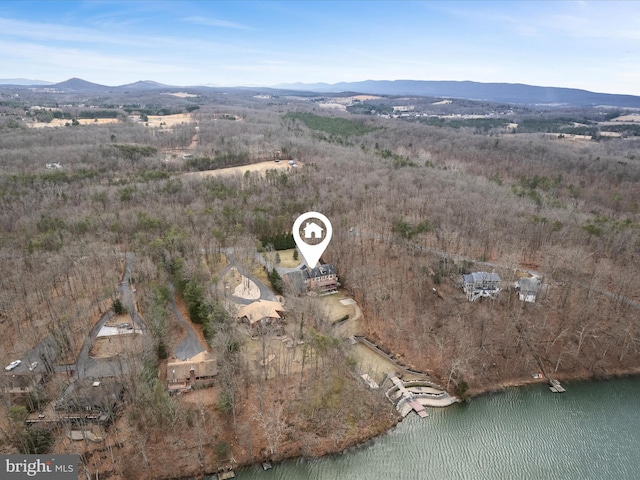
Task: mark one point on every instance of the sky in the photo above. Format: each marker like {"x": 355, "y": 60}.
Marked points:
{"x": 591, "y": 45}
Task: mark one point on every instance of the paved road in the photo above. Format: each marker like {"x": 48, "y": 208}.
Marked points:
{"x": 190, "y": 344}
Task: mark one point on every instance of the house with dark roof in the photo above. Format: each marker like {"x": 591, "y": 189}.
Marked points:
{"x": 322, "y": 279}
{"x": 480, "y": 285}
{"x": 90, "y": 400}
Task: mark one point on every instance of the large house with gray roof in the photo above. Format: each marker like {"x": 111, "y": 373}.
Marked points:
{"x": 480, "y": 285}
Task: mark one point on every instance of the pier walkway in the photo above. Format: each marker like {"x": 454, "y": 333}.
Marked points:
{"x": 408, "y": 397}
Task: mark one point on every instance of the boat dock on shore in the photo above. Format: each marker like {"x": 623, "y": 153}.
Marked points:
{"x": 555, "y": 387}
{"x": 408, "y": 397}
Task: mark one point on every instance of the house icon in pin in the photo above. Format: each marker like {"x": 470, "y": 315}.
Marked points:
{"x": 312, "y": 230}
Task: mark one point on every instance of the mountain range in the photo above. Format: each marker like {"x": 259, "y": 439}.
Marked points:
{"x": 490, "y": 92}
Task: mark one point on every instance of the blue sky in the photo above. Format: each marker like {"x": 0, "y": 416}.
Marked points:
{"x": 593, "y": 45}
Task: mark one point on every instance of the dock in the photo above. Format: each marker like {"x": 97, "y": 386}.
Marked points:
{"x": 409, "y": 397}
{"x": 418, "y": 408}
{"x": 555, "y": 387}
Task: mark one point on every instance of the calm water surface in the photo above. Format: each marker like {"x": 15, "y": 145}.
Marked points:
{"x": 590, "y": 432}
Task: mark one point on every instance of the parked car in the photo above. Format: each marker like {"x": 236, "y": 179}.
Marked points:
{"x": 13, "y": 365}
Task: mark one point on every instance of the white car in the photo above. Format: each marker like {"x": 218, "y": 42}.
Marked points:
{"x": 13, "y": 365}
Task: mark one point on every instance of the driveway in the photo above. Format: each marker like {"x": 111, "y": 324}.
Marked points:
{"x": 87, "y": 367}
{"x": 265, "y": 292}
{"x": 190, "y": 345}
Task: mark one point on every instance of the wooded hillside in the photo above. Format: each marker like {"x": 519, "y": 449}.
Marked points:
{"x": 413, "y": 206}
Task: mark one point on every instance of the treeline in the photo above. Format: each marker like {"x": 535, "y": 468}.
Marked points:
{"x": 279, "y": 241}
{"x": 477, "y": 125}
{"x": 219, "y": 161}
{"x": 46, "y": 115}
{"x": 337, "y": 126}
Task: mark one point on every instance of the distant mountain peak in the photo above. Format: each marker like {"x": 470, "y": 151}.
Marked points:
{"x": 79, "y": 84}
{"x": 144, "y": 84}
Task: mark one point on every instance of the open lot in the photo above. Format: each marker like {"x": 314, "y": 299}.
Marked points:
{"x": 169, "y": 120}
{"x": 62, "y": 122}
{"x": 260, "y": 167}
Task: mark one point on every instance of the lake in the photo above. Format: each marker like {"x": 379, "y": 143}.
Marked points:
{"x": 590, "y": 432}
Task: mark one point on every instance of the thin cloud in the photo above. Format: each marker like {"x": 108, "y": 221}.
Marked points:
{"x": 215, "y": 22}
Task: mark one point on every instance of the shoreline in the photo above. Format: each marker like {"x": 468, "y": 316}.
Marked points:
{"x": 581, "y": 377}
{"x": 502, "y": 387}
{"x": 363, "y": 441}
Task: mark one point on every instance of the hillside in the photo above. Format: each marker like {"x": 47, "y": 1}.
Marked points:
{"x": 492, "y": 92}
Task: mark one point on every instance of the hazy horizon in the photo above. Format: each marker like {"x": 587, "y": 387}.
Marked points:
{"x": 592, "y": 46}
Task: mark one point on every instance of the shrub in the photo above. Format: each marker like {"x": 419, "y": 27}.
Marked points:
{"x": 118, "y": 307}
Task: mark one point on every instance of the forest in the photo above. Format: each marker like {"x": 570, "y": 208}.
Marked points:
{"x": 414, "y": 203}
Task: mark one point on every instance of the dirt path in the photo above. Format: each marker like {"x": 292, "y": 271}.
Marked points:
{"x": 195, "y": 140}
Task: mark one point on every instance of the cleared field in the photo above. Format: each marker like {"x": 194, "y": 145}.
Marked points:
{"x": 633, "y": 117}
{"x": 260, "y": 167}
{"x": 169, "y": 120}
{"x": 278, "y": 355}
{"x": 286, "y": 258}
{"x": 334, "y": 309}
{"x": 181, "y": 94}
{"x": 62, "y": 122}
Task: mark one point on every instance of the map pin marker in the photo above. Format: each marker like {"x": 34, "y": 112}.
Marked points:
{"x": 316, "y": 235}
